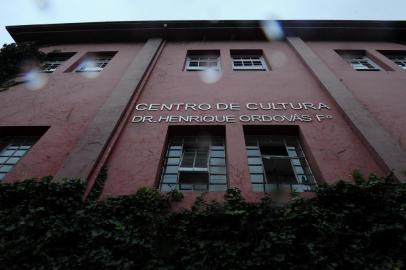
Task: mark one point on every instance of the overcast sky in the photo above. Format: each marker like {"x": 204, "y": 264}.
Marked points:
{"x": 19, "y": 12}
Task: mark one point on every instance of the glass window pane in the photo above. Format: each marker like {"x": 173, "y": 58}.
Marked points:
{"x": 7, "y": 153}
{"x": 301, "y": 188}
{"x": 217, "y": 179}
{"x": 296, "y": 162}
{"x": 218, "y": 170}
{"x": 217, "y": 148}
{"x": 19, "y": 153}
{"x": 175, "y": 153}
{"x": 217, "y": 161}
{"x": 3, "y": 159}
{"x": 255, "y": 161}
{"x": 218, "y": 188}
{"x": 171, "y": 169}
{"x": 167, "y": 187}
{"x": 255, "y": 169}
{"x": 173, "y": 161}
{"x": 217, "y": 154}
{"x": 2, "y": 176}
{"x": 170, "y": 178}
{"x": 12, "y": 160}
{"x": 299, "y": 170}
{"x": 5, "y": 168}
{"x": 257, "y": 178}
{"x": 253, "y": 153}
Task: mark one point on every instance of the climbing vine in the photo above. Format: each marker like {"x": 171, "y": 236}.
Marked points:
{"x": 44, "y": 225}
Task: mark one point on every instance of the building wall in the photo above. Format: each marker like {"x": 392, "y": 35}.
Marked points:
{"x": 67, "y": 103}
{"x": 332, "y": 148}
{"x": 382, "y": 93}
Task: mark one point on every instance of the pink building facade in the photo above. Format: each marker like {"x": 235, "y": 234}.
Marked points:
{"x": 202, "y": 107}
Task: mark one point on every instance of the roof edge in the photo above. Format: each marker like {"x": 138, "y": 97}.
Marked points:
{"x": 128, "y": 31}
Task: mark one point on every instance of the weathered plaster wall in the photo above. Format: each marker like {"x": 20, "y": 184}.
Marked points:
{"x": 67, "y": 103}
{"x": 335, "y": 149}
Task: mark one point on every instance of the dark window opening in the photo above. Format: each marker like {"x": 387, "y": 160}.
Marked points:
{"x": 276, "y": 160}
{"x": 194, "y": 162}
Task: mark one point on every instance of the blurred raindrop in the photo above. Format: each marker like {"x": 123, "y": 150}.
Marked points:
{"x": 35, "y": 79}
{"x": 272, "y": 29}
{"x": 278, "y": 59}
{"x": 89, "y": 69}
{"x": 43, "y": 5}
{"x": 210, "y": 75}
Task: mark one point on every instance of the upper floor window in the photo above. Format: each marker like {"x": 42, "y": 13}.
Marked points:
{"x": 95, "y": 62}
{"x": 248, "y": 60}
{"x": 194, "y": 163}
{"x": 397, "y": 57}
{"x": 359, "y": 60}
{"x": 277, "y": 162}
{"x": 53, "y": 61}
{"x": 202, "y": 60}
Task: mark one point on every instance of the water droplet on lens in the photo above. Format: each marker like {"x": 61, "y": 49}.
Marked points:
{"x": 210, "y": 75}
{"x": 272, "y": 29}
{"x": 35, "y": 79}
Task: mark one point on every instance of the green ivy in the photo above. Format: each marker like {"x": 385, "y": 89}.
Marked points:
{"x": 44, "y": 225}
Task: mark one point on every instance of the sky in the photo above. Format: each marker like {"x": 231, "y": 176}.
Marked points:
{"x": 20, "y": 12}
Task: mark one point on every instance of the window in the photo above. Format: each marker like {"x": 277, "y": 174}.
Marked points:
{"x": 194, "y": 163}
{"x": 359, "y": 60}
{"x": 202, "y": 60}
{"x": 12, "y": 149}
{"x": 397, "y": 57}
{"x": 248, "y": 60}
{"x": 278, "y": 163}
{"x": 94, "y": 62}
{"x": 54, "y": 60}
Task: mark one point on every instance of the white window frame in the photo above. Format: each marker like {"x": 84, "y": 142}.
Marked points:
{"x": 51, "y": 64}
{"x": 12, "y": 150}
{"x": 247, "y": 62}
{"x": 213, "y": 165}
{"x": 93, "y": 64}
{"x": 398, "y": 59}
{"x": 203, "y": 62}
{"x": 300, "y": 167}
{"x": 360, "y": 61}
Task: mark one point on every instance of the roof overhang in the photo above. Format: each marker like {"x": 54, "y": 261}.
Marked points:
{"x": 206, "y": 30}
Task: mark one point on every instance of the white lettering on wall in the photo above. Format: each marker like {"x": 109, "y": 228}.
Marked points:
{"x": 277, "y": 112}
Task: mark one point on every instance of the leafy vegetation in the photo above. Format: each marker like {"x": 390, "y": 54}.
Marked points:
{"x": 13, "y": 58}
{"x": 44, "y": 225}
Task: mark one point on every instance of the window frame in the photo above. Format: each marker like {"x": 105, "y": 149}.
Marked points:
{"x": 99, "y": 63}
{"x": 350, "y": 56}
{"x": 397, "y": 57}
{"x": 258, "y": 175}
{"x": 262, "y": 67}
{"x": 55, "y": 60}
{"x": 199, "y": 56}
{"x": 216, "y": 164}
{"x": 14, "y": 147}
